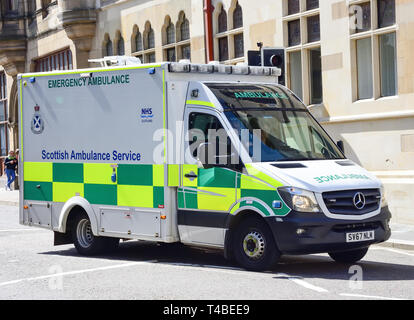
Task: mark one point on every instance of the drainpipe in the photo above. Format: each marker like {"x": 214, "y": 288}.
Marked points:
{"x": 208, "y": 29}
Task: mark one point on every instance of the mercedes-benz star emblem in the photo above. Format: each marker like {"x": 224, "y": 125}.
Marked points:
{"x": 359, "y": 200}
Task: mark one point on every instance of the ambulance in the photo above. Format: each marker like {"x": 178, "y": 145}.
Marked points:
{"x": 207, "y": 155}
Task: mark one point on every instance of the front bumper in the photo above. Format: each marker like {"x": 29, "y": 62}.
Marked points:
{"x": 323, "y": 234}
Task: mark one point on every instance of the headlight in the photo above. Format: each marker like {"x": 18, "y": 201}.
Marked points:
{"x": 384, "y": 201}
{"x": 299, "y": 199}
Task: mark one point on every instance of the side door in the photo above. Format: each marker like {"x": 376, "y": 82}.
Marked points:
{"x": 208, "y": 184}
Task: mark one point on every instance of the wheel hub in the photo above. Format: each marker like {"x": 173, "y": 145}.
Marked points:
{"x": 84, "y": 233}
{"x": 254, "y": 245}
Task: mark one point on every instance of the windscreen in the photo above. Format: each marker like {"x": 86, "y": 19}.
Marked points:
{"x": 273, "y": 124}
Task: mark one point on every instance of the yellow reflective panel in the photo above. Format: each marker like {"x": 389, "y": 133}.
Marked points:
{"x": 158, "y": 175}
{"x": 215, "y": 199}
{"x": 135, "y": 196}
{"x": 63, "y": 191}
{"x": 38, "y": 171}
{"x": 97, "y": 173}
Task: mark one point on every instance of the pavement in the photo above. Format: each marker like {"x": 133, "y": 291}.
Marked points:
{"x": 402, "y": 235}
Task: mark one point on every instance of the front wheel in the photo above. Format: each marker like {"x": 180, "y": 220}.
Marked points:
{"x": 254, "y": 246}
{"x": 351, "y": 256}
{"x": 85, "y": 242}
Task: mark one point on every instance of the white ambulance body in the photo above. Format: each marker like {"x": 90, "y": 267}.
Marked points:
{"x": 134, "y": 152}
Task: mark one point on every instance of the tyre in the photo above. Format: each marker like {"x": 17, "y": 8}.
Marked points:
{"x": 351, "y": 256}
{"x": 253, "y": 245}
{"x": 85, "y": 242}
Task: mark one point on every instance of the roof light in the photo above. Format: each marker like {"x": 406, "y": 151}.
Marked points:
{"x": 241, "y": 70}
{"x": 179, "y": 67}
{"x": 275, "y": 72}
{"x": 223, "y": 68}
{"x": 205, "y": 68}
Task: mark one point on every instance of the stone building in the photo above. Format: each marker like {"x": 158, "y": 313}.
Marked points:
{"x": 350, "y": 61}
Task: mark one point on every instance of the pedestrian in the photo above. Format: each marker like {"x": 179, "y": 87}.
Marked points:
{"x": 10, "y": 164}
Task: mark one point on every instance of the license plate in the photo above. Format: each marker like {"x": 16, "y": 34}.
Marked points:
{"x": 360, "y": 236}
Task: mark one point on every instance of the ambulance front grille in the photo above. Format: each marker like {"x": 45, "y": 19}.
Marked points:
{"x": 342, "y": 202}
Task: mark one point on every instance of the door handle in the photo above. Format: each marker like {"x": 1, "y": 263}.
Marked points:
{"x": 190, "y": 175}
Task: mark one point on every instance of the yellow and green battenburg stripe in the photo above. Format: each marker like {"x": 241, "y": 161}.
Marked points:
{"x": 221, "y": 189}
{"x": 140, "y": 185}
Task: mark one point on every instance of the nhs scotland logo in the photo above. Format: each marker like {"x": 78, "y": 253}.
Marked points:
{"x": 146, "y": 115}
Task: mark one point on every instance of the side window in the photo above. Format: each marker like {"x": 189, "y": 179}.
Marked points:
{"x": 321, "y": 146}
{"x": 208, "y": 141}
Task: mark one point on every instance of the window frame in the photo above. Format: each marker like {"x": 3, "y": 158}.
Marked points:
{"x": 375, "y": 34}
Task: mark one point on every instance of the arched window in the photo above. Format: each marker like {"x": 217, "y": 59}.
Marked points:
{"x": 121, "y": 47}
{"x": 237, "y": 17}
{"x": 149, "y": 43}
{"x": 109, "y": 49}
{"x": 185, "y": 29}
{"x": 138, "y": 42}
{"x": 170, "y": 33}
{"x": 229, "y": 39}
{"x": 150, "y": 39}
{"x": 222, "y": 21}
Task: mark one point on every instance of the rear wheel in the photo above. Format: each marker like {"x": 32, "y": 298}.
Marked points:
{"x": 85, "y": 241}
{"x": 349, "y": 256}
{"x": 254, "y": 246}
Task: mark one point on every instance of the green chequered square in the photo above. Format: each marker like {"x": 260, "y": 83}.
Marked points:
{"x": 216, "y": 177}
{"x": 101, "y": 194}
{"x": 135, "y": 174}
{"x": 158, "y": 196}
{"x": 68, "y": 172}
{"x": 38, "y": 191}
{"x": 180, "y": 199}
{"x": 191, "y": 200}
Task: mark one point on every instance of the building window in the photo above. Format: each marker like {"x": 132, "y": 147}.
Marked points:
{"x": 312, "y": 4}
{"x": 3, "y": 115}
{"x": 109, "y": 49}
{"x": 364, "y": 68}
{"x": 183, "y": 47}
{"x": 222, "y": 21}
{"x": 304, "y": 65}
{"x": 61, "y": 60}
{"x": 388, "y": 64}
{"x": 386, "y": 13}
{"x": 295, "y": 71}
{"x": 186, "y": 52}
{"x": 362, "y": 16}
{"x": 293, "y": 6}
{"x": 121, "y": 46}
{"x": 185, "y": 29}
{"x": 374, "y": 51}
{"x": 151, "y": 39}
{"x": 170, "y": 34}
{"x": 237, "y": 17}
{"x": 313, "y": 29}
{"x": 145, "y": 45}
{"x": 168, "y": 37}
{"x": 315, "y": 78}
{"x": 176, "y": 39}
{"x": 230, "y": 43}
{"x": 223, "y": 49}
{"x": 138, "y": 42}
{"x": 238, "y": 45}
{"x": 294, "y": 32}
